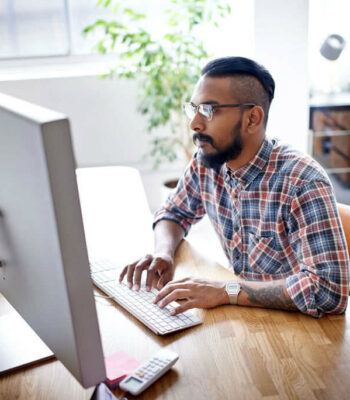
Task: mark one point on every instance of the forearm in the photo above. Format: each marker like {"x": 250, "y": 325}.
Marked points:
{"x": 167, "y": 236}
{"x": 202, "y": 293}
{"x": 271, "y": 294}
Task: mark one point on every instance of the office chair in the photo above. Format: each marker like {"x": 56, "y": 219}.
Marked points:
{"x": 344, "y": 213}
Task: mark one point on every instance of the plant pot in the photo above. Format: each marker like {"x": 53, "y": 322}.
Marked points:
{"x": 168, "y": 187}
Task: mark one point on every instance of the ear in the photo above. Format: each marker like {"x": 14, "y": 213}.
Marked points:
{"x": 254, "y": 119}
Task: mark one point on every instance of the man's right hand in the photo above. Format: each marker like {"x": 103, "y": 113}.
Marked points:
{"x": 158, "y": 265}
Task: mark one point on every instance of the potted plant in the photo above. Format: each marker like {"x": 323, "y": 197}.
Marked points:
{"x": 166, "y": 67}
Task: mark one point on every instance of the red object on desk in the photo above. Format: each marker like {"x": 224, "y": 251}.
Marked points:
{"x": 118, "y": 366}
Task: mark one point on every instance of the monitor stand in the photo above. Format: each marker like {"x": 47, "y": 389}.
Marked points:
{"x": 20, "y": 346}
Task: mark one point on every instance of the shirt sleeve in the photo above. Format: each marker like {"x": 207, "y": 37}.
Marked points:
{"x": 185, "y": 206}
{"x": 316, "y": 235}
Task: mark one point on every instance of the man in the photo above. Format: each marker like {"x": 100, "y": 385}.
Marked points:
{"x": 273, "y": 208}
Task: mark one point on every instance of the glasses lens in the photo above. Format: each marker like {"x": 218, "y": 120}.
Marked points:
{"x": 189, "y": 110}
{"x": 206, "y": 110}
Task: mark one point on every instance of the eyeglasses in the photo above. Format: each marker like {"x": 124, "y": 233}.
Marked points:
{"x": 207, "y": 110}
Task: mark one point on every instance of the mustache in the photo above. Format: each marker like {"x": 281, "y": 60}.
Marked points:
{"x": 201, "y": 137}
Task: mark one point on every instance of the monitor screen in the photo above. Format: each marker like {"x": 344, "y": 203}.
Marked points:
{"x": 45, "y": 272}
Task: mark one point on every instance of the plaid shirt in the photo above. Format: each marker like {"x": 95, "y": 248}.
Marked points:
{"x": 276, "y": 218}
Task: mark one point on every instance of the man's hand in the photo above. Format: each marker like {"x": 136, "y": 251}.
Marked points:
{"x": 158, "y": 265}
{"x": 198, "y": 293}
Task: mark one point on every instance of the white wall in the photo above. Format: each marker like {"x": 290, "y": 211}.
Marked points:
{"x": 107, "y": 130}
{"x": 281, "y": 44}
{"x": 106, "y": 126}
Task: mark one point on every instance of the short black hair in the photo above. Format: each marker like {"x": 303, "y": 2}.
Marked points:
{"x": 254, "y": 82}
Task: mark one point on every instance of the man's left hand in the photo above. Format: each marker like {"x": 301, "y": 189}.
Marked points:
{"x": 198, "y": 293}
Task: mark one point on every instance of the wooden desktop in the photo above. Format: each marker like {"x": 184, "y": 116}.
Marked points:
{"x": 237, "y": 353}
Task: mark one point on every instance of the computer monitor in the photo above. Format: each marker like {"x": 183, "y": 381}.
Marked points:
{"x": 45, "y": 272}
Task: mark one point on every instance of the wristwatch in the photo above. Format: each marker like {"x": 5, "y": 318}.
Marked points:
{"x": 232, "y": 289}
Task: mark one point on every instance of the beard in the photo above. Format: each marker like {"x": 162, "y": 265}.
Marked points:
{"x": 231, "y": 152}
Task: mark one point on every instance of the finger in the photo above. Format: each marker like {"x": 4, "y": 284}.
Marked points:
{"x": 164, "y": 278}
{"x": 140, "y": 267}
{"x": 130, "y": 274}
{"x": 172, "y": 285}
{"x": 183, "y": 307}
{"x": 183, "y": 280}
{"x": 176, "y": 294}
{"x": 165, "y": 291}
{"x": 168, "y": 278}
{"x": 152, "y": 270}
{"x": 123, "y": 273}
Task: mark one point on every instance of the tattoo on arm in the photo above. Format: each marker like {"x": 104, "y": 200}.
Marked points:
{"x": 272, "y": 296}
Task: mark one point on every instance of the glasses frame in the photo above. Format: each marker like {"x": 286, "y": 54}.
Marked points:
{"x": 213, "y": 107}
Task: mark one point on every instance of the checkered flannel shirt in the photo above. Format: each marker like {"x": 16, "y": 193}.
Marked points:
{"x": 276, "y": 218}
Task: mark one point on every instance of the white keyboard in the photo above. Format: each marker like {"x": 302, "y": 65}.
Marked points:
{"x": 105, "y": 276}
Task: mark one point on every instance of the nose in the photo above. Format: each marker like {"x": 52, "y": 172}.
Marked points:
{"x": 197, "y": 123}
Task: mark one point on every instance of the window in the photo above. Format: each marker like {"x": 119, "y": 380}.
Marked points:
{"x": 32, "y": 28}
{"x": 42, "y": 28}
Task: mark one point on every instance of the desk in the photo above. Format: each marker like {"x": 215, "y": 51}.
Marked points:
{"x": 237, "y": 353}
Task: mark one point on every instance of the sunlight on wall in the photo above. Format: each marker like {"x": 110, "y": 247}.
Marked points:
{"x": 235, "y": 35}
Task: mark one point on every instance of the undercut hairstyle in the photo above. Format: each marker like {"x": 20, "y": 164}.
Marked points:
{"x": 251, "y": 83}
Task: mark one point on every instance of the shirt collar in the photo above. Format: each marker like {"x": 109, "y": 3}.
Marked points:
{"x": 249, "y": 171}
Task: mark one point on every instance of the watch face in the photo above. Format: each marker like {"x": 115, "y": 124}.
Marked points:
{"x": 233, "y": 288}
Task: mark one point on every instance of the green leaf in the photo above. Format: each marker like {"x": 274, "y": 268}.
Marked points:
{"x": 133, "y": 14}
{"x": 107, "y": 3}
{"x": 88, "y": 29}
{"x": 100, "y": 22}
{"x": 101, "y": 47}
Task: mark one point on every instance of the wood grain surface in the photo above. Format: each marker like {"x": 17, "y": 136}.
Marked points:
{"x": 237, "y": 353}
